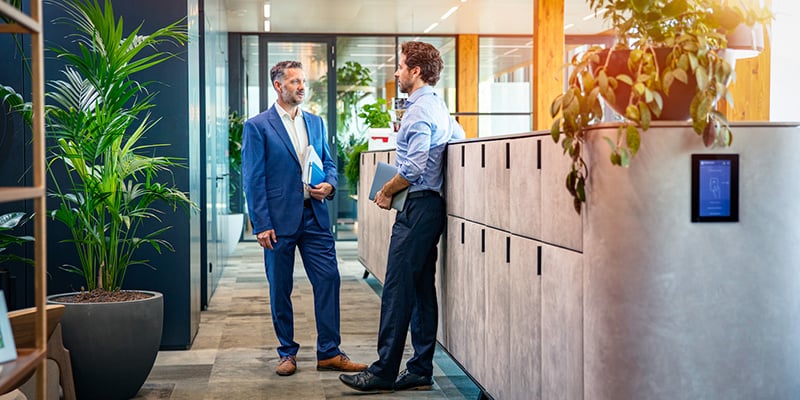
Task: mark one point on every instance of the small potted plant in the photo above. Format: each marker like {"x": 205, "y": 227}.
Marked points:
{"x": 378, "y": 120}
{"x": 380, "y": 135}
{"x": 668, "y": 63}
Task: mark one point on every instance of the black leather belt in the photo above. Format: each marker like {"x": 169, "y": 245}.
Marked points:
{"x": 307, "y": 203}
{"x": 422, "y": 193}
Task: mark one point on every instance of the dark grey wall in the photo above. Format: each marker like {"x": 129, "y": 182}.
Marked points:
{"x": 15, "y": 155}
{"x": 174, "y": 273}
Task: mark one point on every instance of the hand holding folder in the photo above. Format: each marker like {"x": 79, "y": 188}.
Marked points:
{"x": 313, "y": 172}
{"x": 383, "y": 174}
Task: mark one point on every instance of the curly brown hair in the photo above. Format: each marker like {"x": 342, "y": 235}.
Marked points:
{"x": 426, "y": 57}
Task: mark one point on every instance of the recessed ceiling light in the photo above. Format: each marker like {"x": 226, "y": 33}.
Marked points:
{"x": 266, "y": 25}
{"x": 568, "y": 26}
{"x": 267, "y": 10}
{"x": 431, "y": 27}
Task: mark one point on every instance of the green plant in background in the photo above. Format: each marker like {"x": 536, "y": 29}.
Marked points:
{"x": 692, "y": 33}
{"x": 352, "y": 169}
{"x": 97, "y": 116}
{"x": 8, "y": 223}
{"x": 235, "y": 128}
{"x": 352, "y": 83}
{"x": 375, "y": 114}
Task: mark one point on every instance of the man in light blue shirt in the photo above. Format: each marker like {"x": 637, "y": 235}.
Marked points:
{"x": 409, "y": 294}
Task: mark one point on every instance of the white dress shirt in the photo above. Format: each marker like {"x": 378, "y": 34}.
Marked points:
{"x": 296, "y": 127}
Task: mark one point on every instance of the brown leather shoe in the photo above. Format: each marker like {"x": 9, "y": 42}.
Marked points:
{"x": 287, "y": 366}
{"x": 340, "y": 362}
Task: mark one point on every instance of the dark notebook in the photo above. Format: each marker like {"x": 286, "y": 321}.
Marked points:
{"x": 383, "y": 174}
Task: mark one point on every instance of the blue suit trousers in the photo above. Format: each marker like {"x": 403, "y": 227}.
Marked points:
{"x": 318, "y": 252}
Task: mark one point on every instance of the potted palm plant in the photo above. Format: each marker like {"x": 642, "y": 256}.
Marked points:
{"x": 668, "y": 63}
{"x": 105, "y": 183}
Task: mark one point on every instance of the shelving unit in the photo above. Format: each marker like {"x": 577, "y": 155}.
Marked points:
{"x": 14, "y": 372}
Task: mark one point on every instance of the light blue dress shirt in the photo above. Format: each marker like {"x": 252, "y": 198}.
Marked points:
{"x": 425, "y": 129}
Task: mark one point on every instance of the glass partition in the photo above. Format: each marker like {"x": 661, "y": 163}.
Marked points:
{"x": 504, "y": 88}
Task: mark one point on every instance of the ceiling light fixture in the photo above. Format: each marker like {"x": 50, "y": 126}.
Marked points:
{"x": 267, "y": 10}
{"x": 266, "y": 25}
{"x": 568, "y": 26}
{"x": 430, "y": 28}
{"x": 588, "y": 17}
{"x": 449, "y": 12}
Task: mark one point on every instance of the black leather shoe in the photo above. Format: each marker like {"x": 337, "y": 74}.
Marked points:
{"x": 366, "y": 381}
{"x": 409, "y": 381}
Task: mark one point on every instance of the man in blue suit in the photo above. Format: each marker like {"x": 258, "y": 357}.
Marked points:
{"x": 286, "y": 215}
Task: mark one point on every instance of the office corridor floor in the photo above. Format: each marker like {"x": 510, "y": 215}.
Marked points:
{"x": 233, "y": 356}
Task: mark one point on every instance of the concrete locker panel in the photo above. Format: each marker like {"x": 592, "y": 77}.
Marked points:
{"x": 454, "y": 180}
{"x": 524, "y": 364}
{"x": 361, "y": 205}
{"x": 561, "y": 225}
{"x": 562, "y": 324}
{"x": 525, "y": 185}
{"x": 455, "y": 299}
{"x": 474, "y": 293}
{"x": 474, "y": 184}
{"x": 498, "y": 322}
{"x": 497, "y": 193}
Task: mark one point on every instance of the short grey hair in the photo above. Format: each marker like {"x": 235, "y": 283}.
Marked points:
{"x": 277, "y": 72}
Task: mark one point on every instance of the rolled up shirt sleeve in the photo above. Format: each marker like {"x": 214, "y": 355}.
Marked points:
{"x": 412, "y": 167}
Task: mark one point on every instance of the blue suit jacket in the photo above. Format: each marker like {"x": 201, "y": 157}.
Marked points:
{"x": 273, "y": 175}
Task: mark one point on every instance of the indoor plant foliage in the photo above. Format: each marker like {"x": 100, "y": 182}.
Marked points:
{"x": 9, "y": 223}
{"x": 96, "y": 117}
{"x": 375, "y": 114}
{"x": 235, "y": 129}
{"x": 662, "y": 44}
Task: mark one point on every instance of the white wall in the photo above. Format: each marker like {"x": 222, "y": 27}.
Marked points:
{"x": 784, "y": 83}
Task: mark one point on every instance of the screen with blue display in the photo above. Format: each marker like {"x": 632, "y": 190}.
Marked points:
{"x": 715, "y": 187}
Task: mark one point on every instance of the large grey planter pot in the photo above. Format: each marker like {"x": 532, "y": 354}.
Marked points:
{"x": 113, "y": 346}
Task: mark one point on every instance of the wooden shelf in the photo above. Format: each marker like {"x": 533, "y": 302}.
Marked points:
{"x": 15, "y": 372}
{"x": 8, "y": 194}
{"x": 28, "y": 24}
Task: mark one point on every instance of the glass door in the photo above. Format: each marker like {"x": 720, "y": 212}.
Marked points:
{"x": 260, "y": 53}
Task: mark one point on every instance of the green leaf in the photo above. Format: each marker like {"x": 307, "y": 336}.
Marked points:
{"x": 644, "y": 115}
{"x": 624, "y": 158}
{"x": 680, "y": 74}
{"x": 602, "y": 80}
{"x": 555, "y": 106}
{"x": 555, "y": 130}
{"x": 611, "y": 143}
{"x": 667, "y": 80}
{"x": 625, "y": 78}
{"x": 702, "y": 79}
{"x": 639, "y": 88}
{"x": 632, "y": 113}
{"x": 633, "y": 139}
